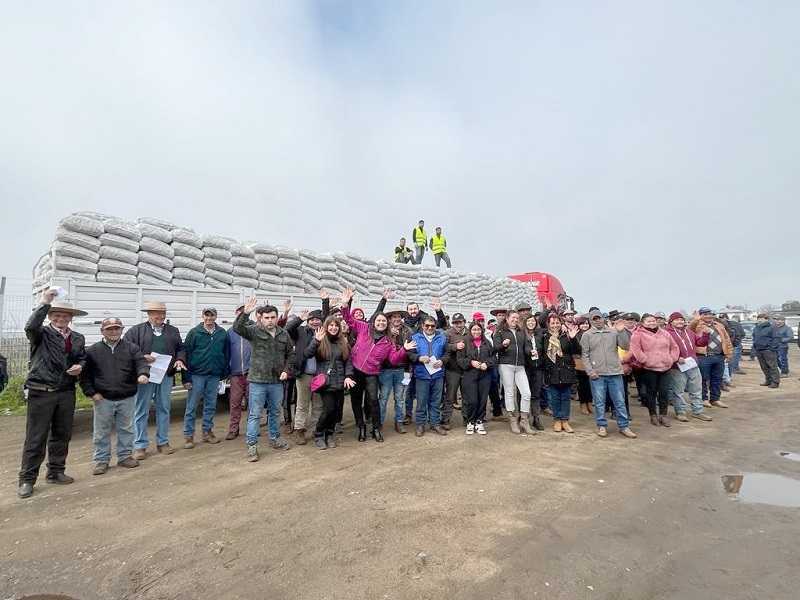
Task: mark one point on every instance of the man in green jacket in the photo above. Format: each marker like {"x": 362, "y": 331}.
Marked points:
{"x": 208, "y": 361}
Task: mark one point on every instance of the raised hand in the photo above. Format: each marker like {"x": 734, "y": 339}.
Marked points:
{"x": 304, "y": 315}
{"x": 49, "y": 296}
{"x": 287, "y": 306}
{"x": 250, "y": 305}
{"x": 387, "y": 293}
{"x": 319, "y": 334}
{"x": 437, "y": 304}
{"x": 348, "y": 294}
{"x": 410, "y": 345}
{"x": 323, "y": 293}
{"x": 334, "y": 302}
{"x": 572, "y": 331}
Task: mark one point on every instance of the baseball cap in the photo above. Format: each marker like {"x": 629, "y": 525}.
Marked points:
{"x": 478, "y": 316}
{"x": 704, "y": 310}
{"x": 111, "y": 322}
{"x": 659, "y": 314}
{"x": 594, "y": 313}
{"x": 210, "y": 309}
{"x": 457, "y": 317}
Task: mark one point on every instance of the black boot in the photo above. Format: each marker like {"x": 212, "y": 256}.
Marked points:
{"x": 537, "y": 424}
{"x": 362, "y": 433}
{"x": 376, "y": 434}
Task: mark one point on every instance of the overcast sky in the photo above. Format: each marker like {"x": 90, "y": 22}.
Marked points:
{"x": 645, "y": 153}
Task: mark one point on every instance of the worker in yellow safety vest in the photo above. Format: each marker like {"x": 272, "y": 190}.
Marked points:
{"x": 439, "y": 247}
{"x": 402, "y": 253}
{"x": 420, "y": 237}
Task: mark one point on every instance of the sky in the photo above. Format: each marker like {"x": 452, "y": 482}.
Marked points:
{"x": 644, "y": 153}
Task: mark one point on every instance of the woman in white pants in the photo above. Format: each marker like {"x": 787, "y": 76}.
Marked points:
{"x": 512, "y": 347}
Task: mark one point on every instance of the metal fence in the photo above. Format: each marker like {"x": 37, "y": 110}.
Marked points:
{"x": 14, "y": 312}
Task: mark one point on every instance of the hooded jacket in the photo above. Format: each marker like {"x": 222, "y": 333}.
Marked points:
{"x": 765, "y": 336}
{"x": 687, "y": 341}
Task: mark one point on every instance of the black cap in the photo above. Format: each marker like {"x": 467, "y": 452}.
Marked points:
{"x": 457, "y": 317}
{"x": 315, "y": 314}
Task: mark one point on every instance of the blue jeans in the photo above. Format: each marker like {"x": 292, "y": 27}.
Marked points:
{"x": 689, "y": 381}
{"x": 391, "y": 380}
{"x": 611, "y": 386}
{"x": 117, "y": 414}
{"x": 420, "y": 251}
{"x": 559, "y": 397}
{"x": 783, "y": 358}
{"x": 270, "y": 394}
{"x": 207, "y": 388}
{"x": 161, "y": 394}
{"x": 429, "y": 400}
{"x": 737, "y": 356}
{"x": 712, "y": 367}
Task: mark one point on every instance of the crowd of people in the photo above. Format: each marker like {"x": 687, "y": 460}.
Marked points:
{"x": 514, "y": 368}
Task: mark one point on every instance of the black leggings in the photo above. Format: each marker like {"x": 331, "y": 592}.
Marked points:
{"x": 584, "y": 388}
{"x": 365, "y": 384}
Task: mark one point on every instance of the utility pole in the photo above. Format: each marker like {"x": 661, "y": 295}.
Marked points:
{"x": 2, "y": 306}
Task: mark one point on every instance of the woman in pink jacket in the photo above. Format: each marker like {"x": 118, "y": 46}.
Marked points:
{"x": 371, "y": 348}
{"x": 654, "y": 351}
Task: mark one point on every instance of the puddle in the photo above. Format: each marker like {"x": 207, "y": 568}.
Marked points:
{"x": 790, "y": 455}
{"x": 763, "y": 488}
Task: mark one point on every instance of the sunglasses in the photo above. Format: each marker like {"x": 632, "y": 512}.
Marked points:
{"x": 429, "y": 326}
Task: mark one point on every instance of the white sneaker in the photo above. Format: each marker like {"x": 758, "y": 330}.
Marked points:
{"x": 470, "y": 428}
{"x": 252, "y": 453}
{"x": 480, "y": 428}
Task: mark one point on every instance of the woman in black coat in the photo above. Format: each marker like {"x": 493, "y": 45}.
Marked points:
{"x": 476, "y": 358}
{"x": 559, "y": 346}
{"x": 332, "y": 351}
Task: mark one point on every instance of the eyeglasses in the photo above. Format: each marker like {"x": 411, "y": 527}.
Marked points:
{"x": 429, "y": 326}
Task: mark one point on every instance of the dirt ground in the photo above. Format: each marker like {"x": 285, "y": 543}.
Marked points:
{"x": 550, "y": 516}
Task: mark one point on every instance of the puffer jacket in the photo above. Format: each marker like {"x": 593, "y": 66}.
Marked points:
{"x": 561, "y": 372}
{"x": 485, "y": 354}
{"x": 652, "y": 351}
{"x": 336, "y": 368}
{"x": 515, "y": 352}
{"x": 49, "y": 356}
{"x": 437, "y": 347}
{"x": 367, "y": 354}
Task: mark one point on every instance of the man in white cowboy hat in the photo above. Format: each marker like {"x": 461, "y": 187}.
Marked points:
{"x": 114, "y": 367}
{"x": 58, "y": 355}
{"x": 155, "y": 336}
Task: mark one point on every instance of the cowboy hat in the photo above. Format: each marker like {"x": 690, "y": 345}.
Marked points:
{"x": 155, "y": 305}
{"x": 395, "y": 311}
{"x": 497, "y": 311}
{"x": 64, "y": 306}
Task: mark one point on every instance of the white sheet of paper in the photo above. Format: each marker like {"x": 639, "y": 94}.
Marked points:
{"x": 689, "y": 363}
{"x": 430, "y": 367}
{"x": 61, "y": 293}
{"x": 159, "y": 367}
{"x": 406, "y": 379}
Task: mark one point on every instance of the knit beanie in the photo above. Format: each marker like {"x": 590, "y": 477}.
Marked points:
{"x": 676, "y": 315}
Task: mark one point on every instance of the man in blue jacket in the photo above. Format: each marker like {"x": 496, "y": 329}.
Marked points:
{"x": 429, "y": 358}
{"x": 786, "y": 335}
{"x": 207, "y": 355}
{"x": 766, "y": 342}
{"x": 239, "y": 367}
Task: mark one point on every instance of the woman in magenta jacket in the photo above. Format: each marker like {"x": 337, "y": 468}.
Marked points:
{"x": 371, "y": 348}
{"x": 654, "y": 350}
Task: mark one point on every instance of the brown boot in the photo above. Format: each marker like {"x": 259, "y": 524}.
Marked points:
{"x": 188, "y": 443}
{"x": 399, "y": 427}
{"x": 525, "y": 424}
{"x": 300, "y": 437}
{"x": 514, "y": 422}
{"x": 140, "y": 454}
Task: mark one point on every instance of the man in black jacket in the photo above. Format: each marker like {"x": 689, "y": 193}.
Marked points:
{"x": 155, "y": 336}
{"x": 114, "y": 367}
{"x": 58, "y": 356}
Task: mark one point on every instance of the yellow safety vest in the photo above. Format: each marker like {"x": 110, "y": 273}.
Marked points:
{"x": 420, "y": 237}
{"x": 438, "y": 244}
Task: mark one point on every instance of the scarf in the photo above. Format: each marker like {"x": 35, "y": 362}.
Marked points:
{"x": 554, "y": 348}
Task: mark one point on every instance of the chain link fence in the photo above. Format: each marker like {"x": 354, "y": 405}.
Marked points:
{"x": 14, "y": 312}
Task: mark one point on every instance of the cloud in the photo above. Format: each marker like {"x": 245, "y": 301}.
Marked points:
{"x": 644, "y": 154}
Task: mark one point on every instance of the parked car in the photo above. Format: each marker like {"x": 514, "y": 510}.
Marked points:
{"x": 747, "y": 342}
